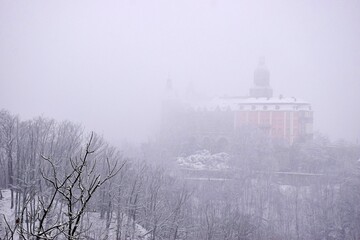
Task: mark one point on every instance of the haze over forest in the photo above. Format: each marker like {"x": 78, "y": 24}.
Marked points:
{"x": 180, "y": 120}
{"x": 105, "y": 63}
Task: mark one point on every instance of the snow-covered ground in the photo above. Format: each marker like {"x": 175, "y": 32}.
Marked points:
{"x": 5, "y": 211}
{"x": 204, "y": 160}
{"x": 97, "y": 227}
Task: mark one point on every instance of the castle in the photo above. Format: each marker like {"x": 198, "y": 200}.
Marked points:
{"x": 213, "y": 124}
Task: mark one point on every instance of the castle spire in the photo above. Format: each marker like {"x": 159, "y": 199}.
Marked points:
{"x": 169, "y": 85}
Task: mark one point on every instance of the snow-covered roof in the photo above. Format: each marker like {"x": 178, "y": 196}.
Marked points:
{"x": 250, "y": 103}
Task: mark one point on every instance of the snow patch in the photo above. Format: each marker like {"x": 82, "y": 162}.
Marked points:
{"x": 204, "y": 160}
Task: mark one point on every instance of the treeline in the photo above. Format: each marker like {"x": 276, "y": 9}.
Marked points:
{"x": 52, "y": 169}
{"x": 68, "y": 184}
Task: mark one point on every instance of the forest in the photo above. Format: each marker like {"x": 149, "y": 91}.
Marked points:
{"x": 58, "y": 181}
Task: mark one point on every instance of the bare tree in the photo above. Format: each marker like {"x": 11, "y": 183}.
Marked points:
{"x": 74, "y": 189}
{"x": 7, "y": 137}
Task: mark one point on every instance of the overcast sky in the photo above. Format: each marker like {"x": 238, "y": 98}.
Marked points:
{"x": 105, "y": 63}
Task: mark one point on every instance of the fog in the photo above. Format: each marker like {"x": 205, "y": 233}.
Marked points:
{"x": 105, "y": 63}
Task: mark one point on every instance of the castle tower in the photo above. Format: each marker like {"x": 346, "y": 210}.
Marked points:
{"x": 261, "y": 86}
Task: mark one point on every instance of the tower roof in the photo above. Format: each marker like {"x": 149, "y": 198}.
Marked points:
{"x": 261, "y": 74}
{"x": 261, "y": 81}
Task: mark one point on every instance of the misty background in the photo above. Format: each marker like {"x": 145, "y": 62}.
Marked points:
{"x": 105, "y": 63}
